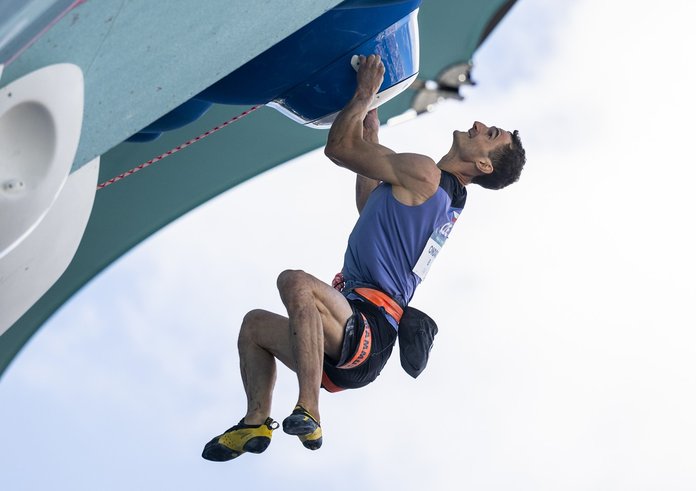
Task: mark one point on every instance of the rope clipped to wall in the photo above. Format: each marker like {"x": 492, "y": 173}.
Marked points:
{"x": 175, "y": 149}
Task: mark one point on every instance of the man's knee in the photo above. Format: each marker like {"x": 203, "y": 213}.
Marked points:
{"x": 252, "y": 319}
{"x": 296, "y": 289}
{"x": 292, "y": 280}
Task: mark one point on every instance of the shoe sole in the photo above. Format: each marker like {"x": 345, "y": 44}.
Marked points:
{"x": 218, "y": 452}
{"x": 311, "y": 444}
{"x": 303, "y": 428}
{"x": 257, "y": 444}
{"x": 297, "y": 428}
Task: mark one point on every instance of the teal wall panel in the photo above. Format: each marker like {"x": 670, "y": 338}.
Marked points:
{"x": 131, "y": 210}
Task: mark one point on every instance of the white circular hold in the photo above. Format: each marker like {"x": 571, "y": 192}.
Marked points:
{"x": 40, "y": 126}
{"x": 27, "y": 143}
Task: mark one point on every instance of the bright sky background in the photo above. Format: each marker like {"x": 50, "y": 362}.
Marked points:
{"x": 566, "y": 358}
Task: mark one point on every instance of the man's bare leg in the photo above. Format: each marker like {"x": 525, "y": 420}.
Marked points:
{"x": 318, "y": 315}
{"x": 263, "y": 337}
{"x": 317, "y": 318}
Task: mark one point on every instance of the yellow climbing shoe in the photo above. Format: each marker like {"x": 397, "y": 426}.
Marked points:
{"x": 239, "y": 439}
{"x": 303, "y": 424}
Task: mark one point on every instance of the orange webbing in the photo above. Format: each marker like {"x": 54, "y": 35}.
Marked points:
{"x": 381, "y": 299}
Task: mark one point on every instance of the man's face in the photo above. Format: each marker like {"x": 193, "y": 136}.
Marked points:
{"x": 476, "y": 144}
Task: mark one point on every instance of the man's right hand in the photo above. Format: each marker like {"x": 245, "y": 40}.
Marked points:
{"x": 370, "y": 76}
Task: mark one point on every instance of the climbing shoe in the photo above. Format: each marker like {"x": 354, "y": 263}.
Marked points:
{"x": 303, "y": 424}
{"x": 239, "y": 439}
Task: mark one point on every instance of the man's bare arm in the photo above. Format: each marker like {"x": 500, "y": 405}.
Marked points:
{"x": 347, "y": 146}
{"x": 365, "y": 185}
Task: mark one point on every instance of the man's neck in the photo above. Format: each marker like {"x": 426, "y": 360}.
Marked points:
{"x": 457, "y": 169}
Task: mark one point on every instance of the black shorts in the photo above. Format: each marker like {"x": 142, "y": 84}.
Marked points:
{"x": 367, "y": 344}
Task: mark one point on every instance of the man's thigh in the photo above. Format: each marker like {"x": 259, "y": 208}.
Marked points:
{"x": 333, "y": 308}
{"x": 335, "y": 311}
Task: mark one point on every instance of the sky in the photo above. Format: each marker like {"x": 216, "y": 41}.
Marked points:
{"x": 566, "y": 357}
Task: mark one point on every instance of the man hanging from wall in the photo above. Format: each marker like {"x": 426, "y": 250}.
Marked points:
{"x": 340, "y": 337}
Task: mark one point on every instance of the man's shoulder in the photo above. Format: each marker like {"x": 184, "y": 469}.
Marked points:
{"x": 418, "y": 159}
{"x": 419, "y": 175}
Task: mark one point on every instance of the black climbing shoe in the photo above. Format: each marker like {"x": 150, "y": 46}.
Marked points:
{"x": 239, "y": 439}
{"x": 303, "y": 424}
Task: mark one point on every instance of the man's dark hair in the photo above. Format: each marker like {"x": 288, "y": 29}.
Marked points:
{"x": 507, "y": 165}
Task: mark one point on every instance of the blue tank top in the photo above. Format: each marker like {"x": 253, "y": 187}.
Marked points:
{"x": 392, "y": 244}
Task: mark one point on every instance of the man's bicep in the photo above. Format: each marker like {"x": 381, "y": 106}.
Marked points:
{"x": 371, "y": 160}
{"x": 375, "y": 161}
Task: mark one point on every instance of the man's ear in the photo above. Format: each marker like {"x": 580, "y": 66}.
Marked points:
{"x": 485, "y": 166}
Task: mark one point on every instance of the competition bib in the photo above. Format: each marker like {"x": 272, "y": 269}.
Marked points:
{"x": 434, "y": 245}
